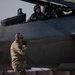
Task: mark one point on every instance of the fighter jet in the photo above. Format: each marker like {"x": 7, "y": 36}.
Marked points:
{"x": 50, "y": 43}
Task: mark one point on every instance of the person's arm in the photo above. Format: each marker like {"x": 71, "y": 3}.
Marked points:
{"x": 19, "y": 50}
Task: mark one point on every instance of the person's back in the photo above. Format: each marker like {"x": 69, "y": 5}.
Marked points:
{"x": 37, "y": 15}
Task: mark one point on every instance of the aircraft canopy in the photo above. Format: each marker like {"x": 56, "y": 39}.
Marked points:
{"x": 70, "y": 3}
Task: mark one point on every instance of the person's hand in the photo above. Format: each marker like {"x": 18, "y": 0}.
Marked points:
{"x": 25, "y": 47}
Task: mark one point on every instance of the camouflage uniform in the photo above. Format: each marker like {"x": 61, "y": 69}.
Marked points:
{"x": 18, "y": 58}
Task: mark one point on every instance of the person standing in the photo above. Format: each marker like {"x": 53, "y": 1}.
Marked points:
{"x": 18, "y": 52}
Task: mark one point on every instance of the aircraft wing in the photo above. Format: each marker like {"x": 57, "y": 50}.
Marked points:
{"x": 70, "y": 3}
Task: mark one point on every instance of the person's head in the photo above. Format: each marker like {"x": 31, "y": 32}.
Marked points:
{"x": 37, "y": 9}
{"x": 47, "y": 9}
{"x": 19, "y": 37}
